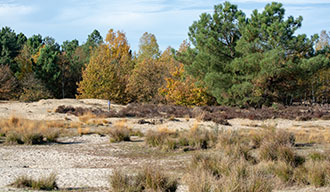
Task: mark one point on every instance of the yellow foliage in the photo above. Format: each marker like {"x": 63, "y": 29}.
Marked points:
{"x": 181, "y": 90}
{"x": 106, "y": 75}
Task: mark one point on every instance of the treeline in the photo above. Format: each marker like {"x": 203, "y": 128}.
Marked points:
{"x": 230, "y": 59}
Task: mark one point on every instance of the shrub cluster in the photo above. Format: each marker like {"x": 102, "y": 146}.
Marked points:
{"x": 217, "y": 114}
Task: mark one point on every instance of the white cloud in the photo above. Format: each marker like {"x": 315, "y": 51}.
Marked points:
{"x": 13, "y": 10}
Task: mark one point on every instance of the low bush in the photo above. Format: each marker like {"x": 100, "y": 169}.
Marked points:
{"x": 149, "y": 179}
{"x": 217, "y": 114}
{"x": 45, "y": 183}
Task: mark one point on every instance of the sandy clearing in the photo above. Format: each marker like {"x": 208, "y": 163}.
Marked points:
{"x": 86, "y": 162}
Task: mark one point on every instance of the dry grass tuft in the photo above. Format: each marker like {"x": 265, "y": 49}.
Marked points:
{"x": 83, "y": 131}
{"x": 160, "y": 138}
{"x": 86, "y": 117}
{"x": 261, "y": 160}
{"x": 120, "y": 132}
{"x": 149, "y": 179}
{"x": 46, "y": 183}
{"x": 195, "y": 138}
{"x": 224, "y": 173}
{"x": 23, "y": 131}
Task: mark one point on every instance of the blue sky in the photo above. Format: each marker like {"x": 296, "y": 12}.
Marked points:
{"x": 168, "y": 20}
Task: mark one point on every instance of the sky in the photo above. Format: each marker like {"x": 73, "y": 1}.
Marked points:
{"x": 167, "y": 20}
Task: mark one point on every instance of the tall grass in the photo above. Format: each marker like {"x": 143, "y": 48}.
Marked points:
{"x": 256, "y": 161}
{"x": 23, "y": 131}
{"x": 194, "y": 138}
{"x": 149, "y": 179}
{"x": 120, "y": 132}
{"x": 44, "y": 183}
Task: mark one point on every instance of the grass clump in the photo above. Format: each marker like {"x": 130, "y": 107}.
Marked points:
{"x": 120, "y": 132}
{"x": 318, "y": 173}
{"x": 195, "y": 138}
{"x": 149, "y": 179}
{"x": 160, "y": 137}
{"x": 45, "y": 183}
{"x": 23, "y": 131}
{"x": 262, "y": 161}
{"x": 223, "y": 173}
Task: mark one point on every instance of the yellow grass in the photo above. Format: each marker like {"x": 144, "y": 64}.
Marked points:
{"x": 166, "y": 130}
{"x": 19, "y": 130}
{"x": 86, "y": 117}
{"x": 83, "y": 131}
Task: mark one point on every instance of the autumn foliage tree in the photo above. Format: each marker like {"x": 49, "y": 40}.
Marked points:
{"x": 181, "y": 89}
{"x": 148, "y": 74}
{"x": 106, "y": 75}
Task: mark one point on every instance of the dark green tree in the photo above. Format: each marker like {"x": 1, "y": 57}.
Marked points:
{"x": 93, "y": 41}
{"x": 268, "y": 67}
{"x": 214, "y": 38}
{"x": 71, "y": 63}
{"x": 34, "y": 43}
{"x": 250, "y": 61}
{"x": 46, "y": 67}
{"x": 10, "y": 46}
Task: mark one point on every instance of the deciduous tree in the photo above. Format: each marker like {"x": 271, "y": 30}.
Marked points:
{"x": 106, "y": 75}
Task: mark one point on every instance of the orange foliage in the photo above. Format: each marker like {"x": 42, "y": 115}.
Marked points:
{"x": 181, "y": 90}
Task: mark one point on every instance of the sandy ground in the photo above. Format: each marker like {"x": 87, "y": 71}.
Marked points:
{"x": 84, "y": 163}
